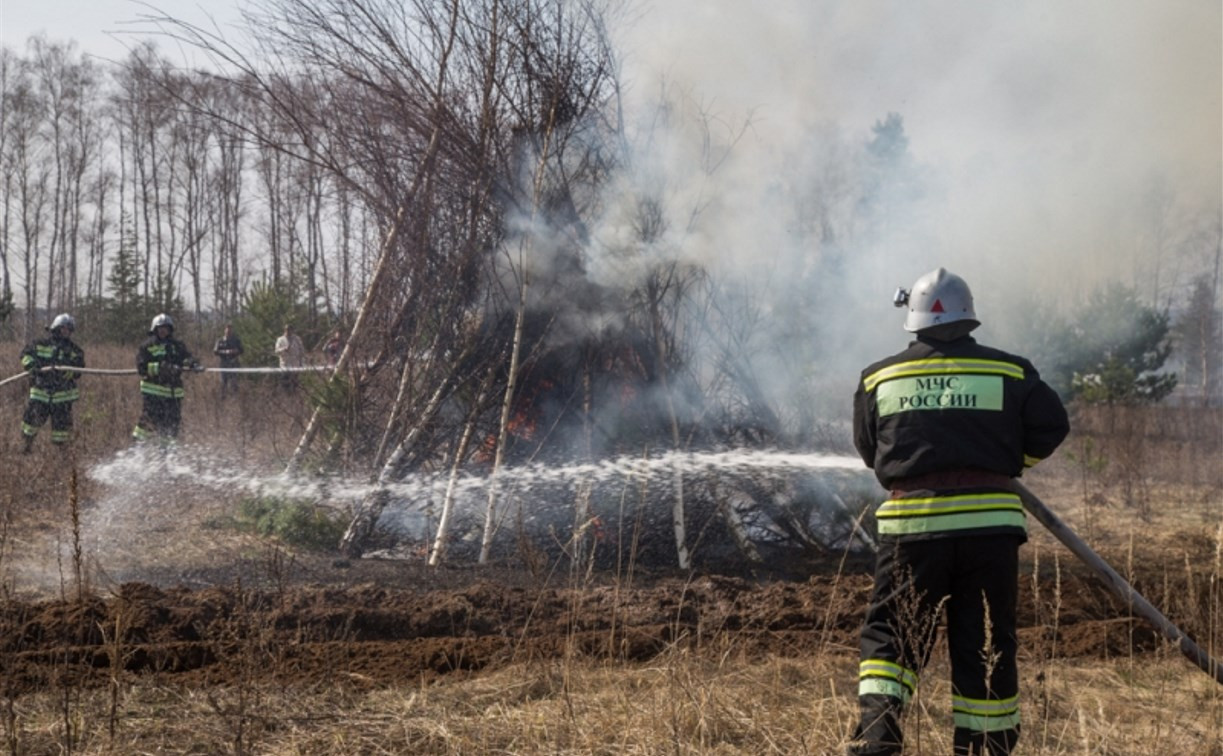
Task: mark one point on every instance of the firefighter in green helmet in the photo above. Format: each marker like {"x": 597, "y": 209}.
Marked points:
{"x": 946, "y": 424}
{"x": 52, "y": 391}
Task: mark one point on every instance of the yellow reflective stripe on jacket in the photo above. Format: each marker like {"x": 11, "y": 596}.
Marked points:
{"x": 985, "y": 715}
{"x": 165, "y": 392}
{"x": 27, "y": 361}
{"x": 944, "y": 513}
{"x": 942, "y": 366}
{"x": 1030, "y": 461}
{"x": 885, "y": 678}
{"x": 54, "y": 397}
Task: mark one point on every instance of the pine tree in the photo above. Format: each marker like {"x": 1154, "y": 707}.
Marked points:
{"x": 126, "y": 310}
{"x": 1116, "y": 350}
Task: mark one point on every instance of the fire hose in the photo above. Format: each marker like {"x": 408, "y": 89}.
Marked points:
{"x": 1117, "y": 584}
{"x": 132, "y": 371}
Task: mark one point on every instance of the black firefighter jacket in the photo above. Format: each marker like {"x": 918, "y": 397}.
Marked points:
{"x": 53, "y": 386}
{"x": 160, "y": 363}
{"x": 941, "y": 409}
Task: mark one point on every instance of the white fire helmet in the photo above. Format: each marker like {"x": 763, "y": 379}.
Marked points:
{"x": 937, "y": 298}
{"x": 63, "y": 320}
{"x": 159, "y": 321}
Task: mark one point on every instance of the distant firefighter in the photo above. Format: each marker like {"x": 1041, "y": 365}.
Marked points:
{"x": 161, "y": 361}
{"x": 946, "y": 424}
{"x": 52, "y": 392}
{"x": 228, "y": 348}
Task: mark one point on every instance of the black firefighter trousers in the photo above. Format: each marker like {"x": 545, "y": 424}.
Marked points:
{"x": 160, "y": 417}
{"x": 975, "y": 579}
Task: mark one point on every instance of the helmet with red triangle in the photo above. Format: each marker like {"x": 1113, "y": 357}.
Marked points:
{"x": 938, "y": 298}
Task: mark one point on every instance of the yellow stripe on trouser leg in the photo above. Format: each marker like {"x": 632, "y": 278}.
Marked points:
{"x": 981, "y": 715}
{"x": 886, "y": 678}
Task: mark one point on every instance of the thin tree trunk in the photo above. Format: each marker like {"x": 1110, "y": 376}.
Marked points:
{"x": 511, "y": 384}
{"x": 507, "y": 402}
{"x": 438, "y": 552}
{"x": 582, "y": 516}
{"x": 677, "y": 482}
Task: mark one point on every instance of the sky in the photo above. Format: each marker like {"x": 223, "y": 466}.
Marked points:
{"x": 102, "y": 28}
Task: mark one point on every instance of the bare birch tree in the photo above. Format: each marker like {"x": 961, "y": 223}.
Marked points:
{"x": 28, "y": 174}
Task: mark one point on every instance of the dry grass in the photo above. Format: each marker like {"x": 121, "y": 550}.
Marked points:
{"x": 679, "y": 703}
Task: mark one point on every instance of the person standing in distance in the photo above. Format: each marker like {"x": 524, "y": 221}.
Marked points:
{"x": 333, "y": 347}
{"x": 946, "y": 425}
{"x": 229, "y": 349}
{"x": 160, "y": 361}
{"x": 292, "y": 354}
{"x": 52, "y": 392}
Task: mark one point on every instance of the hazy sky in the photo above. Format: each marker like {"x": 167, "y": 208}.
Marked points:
{"x": 104, "y": 28}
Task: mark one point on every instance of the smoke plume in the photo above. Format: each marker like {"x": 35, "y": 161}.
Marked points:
{"x": 1048, "y": 149}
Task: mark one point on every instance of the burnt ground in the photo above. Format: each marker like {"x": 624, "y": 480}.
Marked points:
{"x": 377, "y": 622}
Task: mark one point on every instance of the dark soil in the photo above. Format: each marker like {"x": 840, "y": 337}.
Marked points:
{"x": 370, "y": 622}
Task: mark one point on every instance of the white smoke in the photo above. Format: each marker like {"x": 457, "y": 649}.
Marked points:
{"x": 1050, "y": 148}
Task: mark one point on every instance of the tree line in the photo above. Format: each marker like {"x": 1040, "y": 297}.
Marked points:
{"x": 120, "y": 200}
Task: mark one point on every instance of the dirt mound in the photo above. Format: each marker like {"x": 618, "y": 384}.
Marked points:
{"x": 421, "y": 626}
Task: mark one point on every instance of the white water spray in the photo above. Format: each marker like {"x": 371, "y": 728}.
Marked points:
{"x": 151, "y": 516}
{"x": 203, "y": 468}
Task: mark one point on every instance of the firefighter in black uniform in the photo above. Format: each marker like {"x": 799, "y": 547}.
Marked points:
{"x": 161, "y": 361}
{"x": 946, "y": 424}
{"x": 52, "y": 392}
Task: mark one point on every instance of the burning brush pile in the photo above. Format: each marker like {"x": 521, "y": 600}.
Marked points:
{"x": 608, "y": 455}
